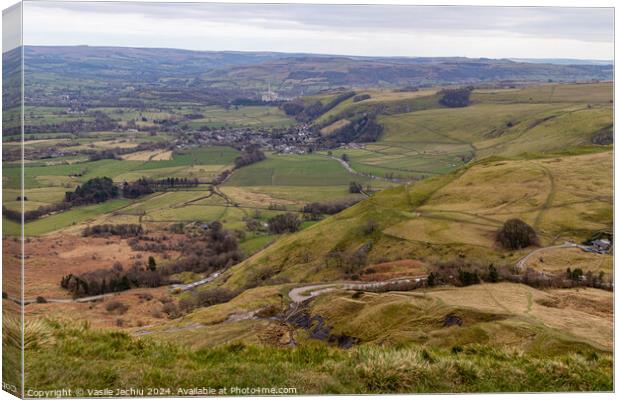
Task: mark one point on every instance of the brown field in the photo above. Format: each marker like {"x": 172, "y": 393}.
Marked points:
{"x": 393, "y": 269}
{"x": 557, "y": 260}
{"x": 153, "y": 155}
{"x": 51, "y": 257}
{"x": 245, "y": 196}
{"x": 145, "y": 308}
{"x": 122, "y": 144}
{"x": 580, "y": 319}
{"x": 329, "y": 129}
{"x": 503, "y": 314}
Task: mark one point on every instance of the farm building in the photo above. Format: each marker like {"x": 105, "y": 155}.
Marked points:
{"x": 601, "y": 245}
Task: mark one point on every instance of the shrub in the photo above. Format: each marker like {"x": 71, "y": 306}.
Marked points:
{"x": 516, "y": 234}
{"x": 281, "y": 223}
{"x": 206, "y": 298}
{"x": 355, "y": 187}
{"x": 171, "y": 310}
{"x": 468, "y": 278}
{"x": 493, "y": 275}
{"x": 431, "y": 280}
{"x": 268, "y": 311}
{"x": 370, "y": 227}
{"x": 313, "y": 211}
{"x": 152, "y": 264}
{"x": 116, "y": 307}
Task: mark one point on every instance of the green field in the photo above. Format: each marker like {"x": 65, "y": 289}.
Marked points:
{"x": 297, "y": 170}
{"x": 72, "y": 217}
{"x": 243, "y": 116}
{"x": 119, "y": 170}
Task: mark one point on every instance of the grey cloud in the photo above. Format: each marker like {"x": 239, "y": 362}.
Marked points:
{"x": 585, "y": 24}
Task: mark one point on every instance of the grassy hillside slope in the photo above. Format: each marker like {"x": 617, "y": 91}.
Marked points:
{"x": 563, "y": 197}
{"x": 79, "y": 357}
{"x": 422, "y": 138}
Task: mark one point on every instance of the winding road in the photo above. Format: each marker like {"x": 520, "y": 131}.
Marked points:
{"x": 350, "y": 169}
{"x": 195, "y": 284}
{"x": 521, "y": 262}
{"x": 301, "y": 294}
{"x": 52, "y": 300}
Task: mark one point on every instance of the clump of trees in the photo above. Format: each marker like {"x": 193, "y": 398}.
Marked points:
{"x": 31, "y": 215}
{"x": 254, "y": 224}
{"x": 122, "y": 230}
{"x": 355, "y": 187}
{"x": 313, "y": 211}
{"x": 250, "y": 156}
{"x": 282, "y": 223}
{"x": 212, "y": 250}
{"x": 221, "y": 177}
{"x": 96, "y": 190}
{"x": 361, "y": 97}
{"x": 516, "y": 234}
{"x": 145, "y": 186}
{"x": 455, "y": 97}
{"x": 115, "y": 279}
{"x": 460, "y": 271}
{"x": 103, "y": 155}
{"x": 293, "y": 108}
{"x": 350, "y": 262}
{"x": 136, "y": 189}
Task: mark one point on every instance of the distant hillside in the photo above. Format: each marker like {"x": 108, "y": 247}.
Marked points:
{"x": 205, "y": 76}
{"x": 563, "y": 61}
{"x": 134, "y": 63}
{"x": 341, "y": 71}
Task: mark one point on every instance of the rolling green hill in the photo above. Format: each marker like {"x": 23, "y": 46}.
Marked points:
{"x": 422, "y": 138}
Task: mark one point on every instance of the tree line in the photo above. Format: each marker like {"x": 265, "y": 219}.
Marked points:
{"x": 122, "y": 230}
{"x": 101, "y": 189}
{"x": 249, "y": 156}
{"x": 145, "y": 186}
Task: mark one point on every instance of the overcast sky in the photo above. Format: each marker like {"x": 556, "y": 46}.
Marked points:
{"x": 494, "y": 32}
